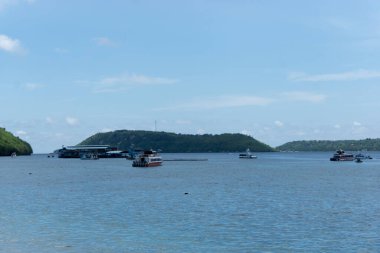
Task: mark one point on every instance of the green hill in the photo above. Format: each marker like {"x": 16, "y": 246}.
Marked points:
{"x": 177, "y": 143}
{"x": 9, "y": 144}
{"x": 352, "y": 145}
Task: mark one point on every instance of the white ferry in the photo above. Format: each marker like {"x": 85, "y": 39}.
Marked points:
{"x": 148, "y": 158}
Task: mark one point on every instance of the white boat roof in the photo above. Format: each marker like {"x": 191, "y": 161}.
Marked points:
{"x": 87, "y": 147}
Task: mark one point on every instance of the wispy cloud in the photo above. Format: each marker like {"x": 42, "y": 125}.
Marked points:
{"x": 246, "y": 132}
{"x": 221, "y": 102}
{"x": 304, "y": 96}
{"x": 72, "y": 121}
{"x": 5, "y": 3}
{"x": 358, "y": 124}
{"x": 124, "y": 82}
{"x": 104, "y": 41}
{"x": 10, "y": 45}
{"x": 49, "y": 120}
{"x": 21, "y": 133}
{"x": 344, "y": 76}
{"x": 33, "y": 86}
{"x": 279, "y": 123}
{"x": 60, "y": 50}
{"x": 183, "y": 122}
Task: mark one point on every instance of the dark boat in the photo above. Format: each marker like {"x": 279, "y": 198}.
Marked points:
{"x": 361, "y": 156}
{"x": 247, "y": 155}
{"x": 340, "y": 155}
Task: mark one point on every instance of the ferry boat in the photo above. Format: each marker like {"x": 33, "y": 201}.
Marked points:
{"x": 247, "y": 155}
{"x": 148, "y": 158}
{"x": 340, "y": 155}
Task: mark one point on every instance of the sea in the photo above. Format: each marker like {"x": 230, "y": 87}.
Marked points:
{"x": 280, "y": 202}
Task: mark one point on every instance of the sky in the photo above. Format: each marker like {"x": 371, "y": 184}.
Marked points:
{"x": 275, "y": 70}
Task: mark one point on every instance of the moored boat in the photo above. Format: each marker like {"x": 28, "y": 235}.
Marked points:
{"x": 362, "y": 156}
{"x": 247, "y": 155}
{"x": 89, "y": 156}
{"x": 148, "y": 158}
{"x": 340, "y": 155}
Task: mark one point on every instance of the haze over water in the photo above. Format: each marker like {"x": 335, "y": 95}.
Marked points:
{"x": 281, "y": 202}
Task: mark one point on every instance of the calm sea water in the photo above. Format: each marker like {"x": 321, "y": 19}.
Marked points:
{"x": 281, "y": 202}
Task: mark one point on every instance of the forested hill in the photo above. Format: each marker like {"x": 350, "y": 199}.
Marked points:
{"x": 9, "y": 144}
{"x": 352, "y": 145}
{"x": 177, "y": 143}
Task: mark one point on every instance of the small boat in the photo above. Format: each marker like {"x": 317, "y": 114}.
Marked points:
{"x": 361, "y": 156}
{"x": 247, "y": 155}
{"x": 148, "y": 158}
{"x": 89, "y": 156}
{"x": 13, "y": 154}
{"x": 340, "y": 155}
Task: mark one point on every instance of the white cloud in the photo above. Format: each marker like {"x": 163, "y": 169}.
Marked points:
{"x": 344, "y": 76}
{"x": 49, "y": 120}
{"x": 305, "y": 96}
{"x": 246, "y": 132}
{"x": 201, "y": 131}
{"x": 104, "y": 41}
{"x": 123, "y": 82}
{"x": 355, "y": 123}
{"x": 137, "y": 79}
{"x": 183, "y": 122}
{"x": 33, "y": 86}
{"x": 60, "y": 50}
{"x": 5, "y": 3}
{"x": 72, "y": 121}
{"x": 21, "y": 133}
{"x": 222, "y": 102}
{"x": 105, "y": 130}
{"x": 10, "y": 45}
{"x": 337, "y": 126}
{"x": 279, "y": 123}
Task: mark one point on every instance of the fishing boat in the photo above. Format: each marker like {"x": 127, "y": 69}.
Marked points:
{"x": 247, "y": 155}
{"x": 148, "y": 158}
{"x": 340, "y": 155}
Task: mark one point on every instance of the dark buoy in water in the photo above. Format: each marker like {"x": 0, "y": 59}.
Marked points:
{"x": 186, "y": 193}
{"x": 30, "y": 173}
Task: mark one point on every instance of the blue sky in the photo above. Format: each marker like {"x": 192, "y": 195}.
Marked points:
{"x": 276, "y": 70}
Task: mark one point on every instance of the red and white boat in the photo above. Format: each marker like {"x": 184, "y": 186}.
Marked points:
{"x": 149, "y": 158}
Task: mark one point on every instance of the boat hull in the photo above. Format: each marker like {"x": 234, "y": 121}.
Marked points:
{"x": 144, "y": 164}
{"x": 342, "y": 159}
